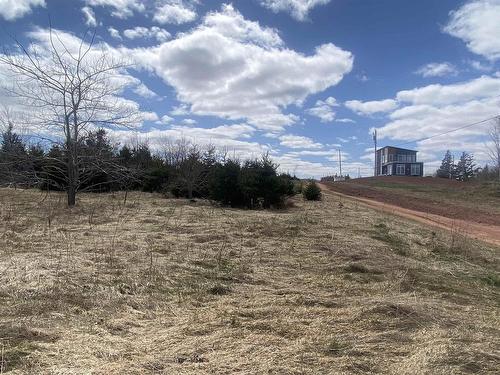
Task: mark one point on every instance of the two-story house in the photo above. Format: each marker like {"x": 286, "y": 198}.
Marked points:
{"x": 398, "y": 162}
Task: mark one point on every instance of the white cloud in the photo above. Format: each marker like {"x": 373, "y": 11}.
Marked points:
{"x": 165, "y": 119}
{"x": 437, "y": 70}
{"x": 371, "y": 107}
{"x": 297, "y": 141}
{"x": 346, "y": 120}
{"x": 120, "y": 8}
{"x": 149, "y": 116}
{"x": 313, "y": 153}
{"x": 13, "y": 9}
{"x": 348, "y": 139}
{"x": 437, "y": 109}
{"x": 89, "y": 14}
{"x": 142, "y": 90}
{"x": 323, "y": 109}
{"x": 479, "y": 66}
{"x": 189, "y": 121}
{"x": 233, "y": 68}
{"x": 477, "y": 24}
{"x": 228, "y": 137}
{"x": 114, "y": 33}
{"x": 180, "y": 110}
{"x": 437, "y": 94}
{"x": 161, "y": 35}
{"x": 299, "y": 9}
{"x": 175, "y": 12}
{"x": 303, "y": 168}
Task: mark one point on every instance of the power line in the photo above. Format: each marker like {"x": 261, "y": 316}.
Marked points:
{"x": 449, "y": 131}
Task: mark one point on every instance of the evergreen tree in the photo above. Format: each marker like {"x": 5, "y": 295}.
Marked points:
{"x": 12, "y": 143}
{"x": 13, "y": 158}
{"x": 466, "y": 168}
{"x": 447, "y": 168}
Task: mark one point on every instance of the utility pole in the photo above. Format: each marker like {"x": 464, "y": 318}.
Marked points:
{"x": 375, "y": 142}
{"x": 340, "y": 162}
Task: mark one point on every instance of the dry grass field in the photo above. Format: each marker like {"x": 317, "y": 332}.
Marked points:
{"x": 157, "y": 286}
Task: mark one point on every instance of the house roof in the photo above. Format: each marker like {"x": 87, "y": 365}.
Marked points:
{"x": 398, "y": 148}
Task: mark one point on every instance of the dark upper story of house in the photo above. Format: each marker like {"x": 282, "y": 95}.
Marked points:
{"x": 397, "y": 161}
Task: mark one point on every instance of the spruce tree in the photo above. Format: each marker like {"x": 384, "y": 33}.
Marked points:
{"x": 466, "y": 168}
{"x": 447, "y": 168}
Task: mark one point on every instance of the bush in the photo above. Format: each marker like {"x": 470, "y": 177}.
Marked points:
{"x": 251, "y": 184}
{"x": 312, "y": 192}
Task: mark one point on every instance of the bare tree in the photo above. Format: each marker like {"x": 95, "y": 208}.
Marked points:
{"x": 69, "y": 91}
{"x": 190, "y": 163}
{"x": 494, "y": 149}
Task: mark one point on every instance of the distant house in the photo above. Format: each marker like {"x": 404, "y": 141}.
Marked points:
{"x": 398, "y": 162}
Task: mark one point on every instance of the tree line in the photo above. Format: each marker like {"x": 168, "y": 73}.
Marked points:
{"x": 465, "y": 168}
{"x": 179, "y": 169}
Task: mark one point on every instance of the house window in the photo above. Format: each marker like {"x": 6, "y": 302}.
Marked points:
{"x": 415, "y": 169}
{"x": 400, "y": 169}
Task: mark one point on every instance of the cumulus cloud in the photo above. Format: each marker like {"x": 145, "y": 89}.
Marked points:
{"x": 189, "y": 121}
{"x": 175, "y": 12}
{"x": 165, "y": 119}
{"x": 149, "y": 116}
{"x": 371, "y": 107}
{"x": 437, "y": 70}
{"x": 478, "y": 88}
{"x": 436, "y": 109}
{"x": 180, "y": 110}
{"x": 161, "y": 35}
{"x": 297, "y": 141}
{"x": 298, "y": 9}
{"x": 114, "y": 33}
{"x": 120, "y": 8}
{"x": 142, "y": 90}
{"x": 477, "y": 24}
{"x": 13, "y": 9}
{"x": 323, "y": 109}
{"x": 236, "y": 69}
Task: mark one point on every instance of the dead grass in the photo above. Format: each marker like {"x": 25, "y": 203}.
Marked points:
{"x": 171, "y": 287}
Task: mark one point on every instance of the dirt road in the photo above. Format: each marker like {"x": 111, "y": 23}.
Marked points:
{"x": 484, "y": 232}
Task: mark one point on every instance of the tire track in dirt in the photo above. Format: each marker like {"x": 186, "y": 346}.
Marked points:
{"x": 483, "y": 232}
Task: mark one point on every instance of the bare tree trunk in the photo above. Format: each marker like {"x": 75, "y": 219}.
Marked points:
{"x": 72, "y": 179}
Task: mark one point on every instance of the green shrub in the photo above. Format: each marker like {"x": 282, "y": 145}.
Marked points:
{"x": 312, "y": 192}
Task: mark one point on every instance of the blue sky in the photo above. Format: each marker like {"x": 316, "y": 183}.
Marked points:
{"x": 300, "y": 79}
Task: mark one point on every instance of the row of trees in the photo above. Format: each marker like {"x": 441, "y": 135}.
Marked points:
{"x": 465, "y": 169}
{"x": 181, "y": 168}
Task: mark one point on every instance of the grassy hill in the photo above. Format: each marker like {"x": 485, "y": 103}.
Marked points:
{"x": 476, "y": 201}
{"x": 150, "y": 285}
